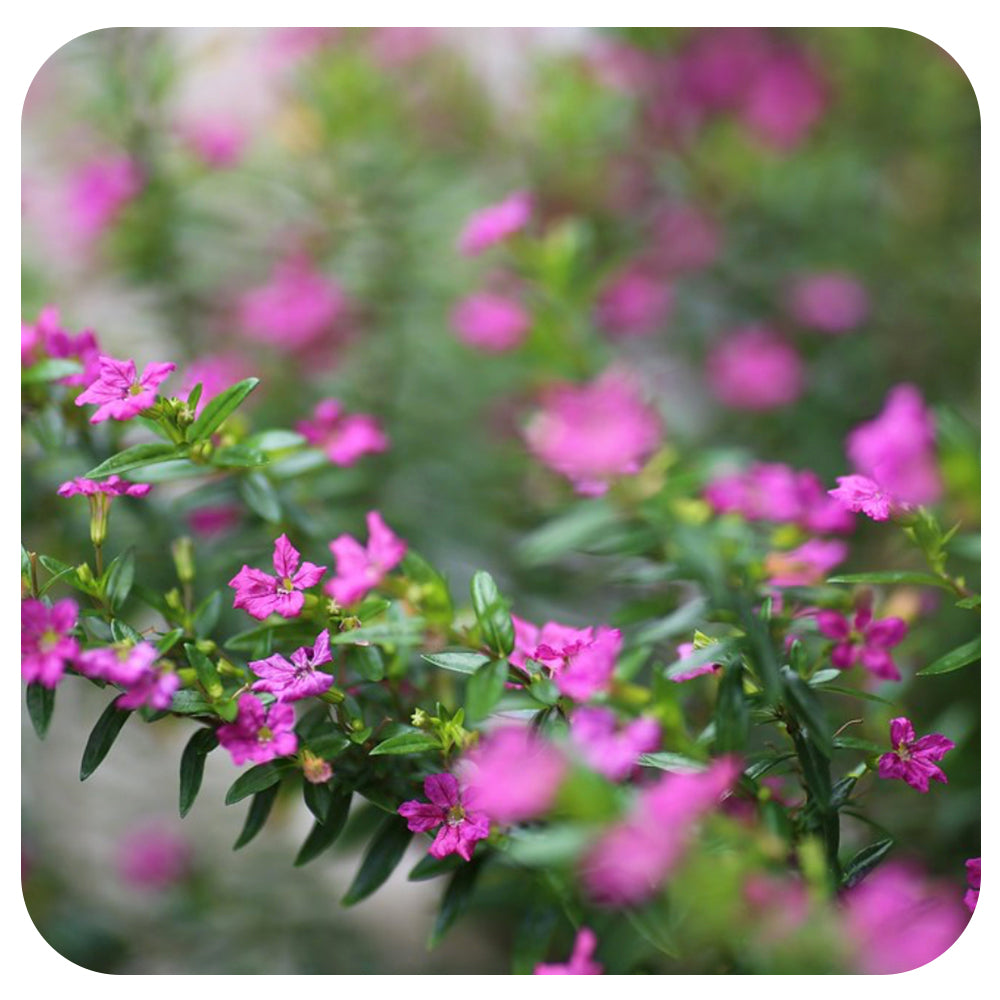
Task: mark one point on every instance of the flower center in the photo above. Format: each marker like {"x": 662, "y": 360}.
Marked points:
{"x": 288, "y": 584}
{"x": 903, "y": 752}
{"x": 134, "y": 389}
{"x": 49, "y": 639}
{"x": 455, "y": 815}
{"x": 265, "y": 734}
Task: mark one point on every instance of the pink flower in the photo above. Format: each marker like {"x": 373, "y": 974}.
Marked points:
{"x": 513, "y": 774}
{"x": 585, "y": 670}
{"x": 754, "y": 369}
{"x": 298, "y": 679}
{"x": 461, "y": 826}
{"x": 912, "y": 760}
{"x": 684, "y": 239}
{"x": 867, "y": 641}
{"x": 214, "y": 372}
{"x": 217, "y": 142}
{"x": 718, "y": 65}
{"x": 135, "y": 668}
{"x": 785, "y": 100}
{"x": 864, "y": 496}
{"x": 896, "y": 449}
{"x": 684, "y": 650}
{"x": 360, "y": 569}
{"x": 634, "y": 857}
{"x": 260, "y": 594}
{"x": 215, "y": 519}
{"x": 594, "y": 433}
{"x": 47, "y": 336}
{"x": 490, "y": 322}
{"x": 580, "y": 963}
{"x": 973, "y": 869}
{"x": 154, "y": 688}
{"x": 153, "y": 857}
{"x": 259, "y": 734}
{"x": 898, "y": 922}
{"x": 806, "y": 565}
{"x": 832, "y": 302}
{"x": 119, "y": 392}
{"x": 398, "y": 46}
{"x": 634, "y": 304}
{"x": 611, "y": 751}
{"x": 495, "y": 223}
{"x": 47, "y": 647}
{"x": 99, "y": 190}
{"x": 113, "y": 486}
{"x": 344, "y": 437}
{"x": 296, "y": 307}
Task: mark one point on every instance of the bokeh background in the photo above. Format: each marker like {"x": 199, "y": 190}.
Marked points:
{"x": 286, "y": 203}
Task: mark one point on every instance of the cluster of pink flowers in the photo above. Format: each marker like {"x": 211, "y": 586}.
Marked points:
{"x": 99, "y": 190}
{"x": 147, "y": 682}
{"x": 770, "y": 491}
{"x": 113, "y": 486}
{"x": 461, "y": 824}
{"x": 45, "y": 338}
{"x": 495, "y": 223}
{"x": 753, "y": 368}
{"x": 491, "y": 322}
{"x": 119, "y": 392}
{"x": 261, "y": 594}
{"x": 362, "y": 568}
{"x": 914, "y": 760}
{"x": 830, "y": 301}
{"x": 865, "y": 640}
{"x": 298, "y": 679}
{"x": 47, "y": 647}
{"x": 342, "y": 437}
{"x": 634, "y": 303}
{"x": 608, "y": 749}
{"x": 581, "y": 961}
{"x": 259, "y": 734}
{"x": 594, "y": 433}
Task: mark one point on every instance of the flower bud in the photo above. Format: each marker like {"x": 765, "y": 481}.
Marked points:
{"x": 182, "y": 550}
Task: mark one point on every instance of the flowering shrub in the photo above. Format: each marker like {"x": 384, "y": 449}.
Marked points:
{"x": 622, "y": 628}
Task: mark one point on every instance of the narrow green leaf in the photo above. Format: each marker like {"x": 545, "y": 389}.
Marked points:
{"x": 532, "y": 936}
{"x": 218, "y": 408}
{"x": 969, "y": 602}
{"x": 808, "y": 710}
{"x": 324, "y": 834}
{"x": 959, "y": 657}
{"x": 675, "y": 762}
{"x": 570, "y": 531}
{"x": 189, "y": 702}
{"x": 406, "y": 743}
{"x": 429, "y": 867}
{"x": 484, "y": 690}
{"x": 455, "y": 900}
{"x": 889, "y": 577}
{"x": 168, "y": 640}
{"x": 865, "y": 860}
{"x": 41, "y": 701}
{"x": 277, "y": 439}
{"x": 384, "y": 852}
{"x": 822, "y": 676}
{"x": 652, "y": 928}
{"x": 239, "y": 456}
{"x": 368, "y": 662}
{"x": 208, "y": 674}
{"x": 854, "y": 743}
{"x": 732, "y": 716}
{"x": 101, "y": 738}
{"x": 123, "y": 632}
{"x": 201, "y": 744}
{"x": 255, "y": 780}
{"x": 386, "y": 634}
{"x": 460, "y": 663}
{"x": 206, "y": 615}
{"x": 120, "y": 577}
{"x": 717, "y": 652}
{"x": 492, "y": 614}
{"x": 137, "y": 457}
{"x": 328, "y": 744}
{"x": 678, "y": 622}
{"x": 854, "y": 693}
{"x": 260, "y": 809}
{"x": 261, "y": 497}
{"x": 317, "y": 798}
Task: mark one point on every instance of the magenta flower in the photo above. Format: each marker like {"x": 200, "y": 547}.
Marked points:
{"x": 634, "y": 304}
{"x": 122, "y": 663}
{"x": 580, "y": 962}
{"x": 47, "y": 647}
{"x": 214, "y": 372}
{"x": 896, "y": 449}
{"x": 864, "y": 496}
{"x": 594, "y": 433}
{"x": 973, "y": 869}
{"x": 513, "y": 774}
{"x": 99, "y": 190}
{"x": 259, "y": 734}
{"x": 344, "y": 437}
{"x": 295, "y": 308}
{"x": 461, "y": 826}
{"x": 153, "y": 688}
{"x": 806, "y": 565}
{"x": 113, "y": 486}
{"x": 217, "y": 142}
{"x": 831, "y": 302}
{"x": 495, "y": 223}
{"x": 549, "y": 645}
{"x": 119, "y": 392}
{"x": 215, "y": 519}
{"x": 785, "y": 101}
{"x": 754, "y": 369}
{"x": 607, "y": 749}
{"x": 866, "y": 641}
{"x": 718, "y": 65}
{"x": 897, "y": 921}
{"x": 153, "y": 857}
{"x": 260, "y": 594}
{"x": 587, "y": 670}
{"x": 491, "y": 322}
{"x": 298, "y": 679}
{"x": 913, "y": 760}
{"x": 685, "y": 649}
{"x": 360, "y": 569}
{"x": 46, "y": 337}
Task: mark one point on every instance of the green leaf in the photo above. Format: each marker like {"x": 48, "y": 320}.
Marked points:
{"x": 854, "y": 743}
{"x": 455, "y": 900}
{"x": 571, "y": 531}
{"x": 429, "y": 867}
{"x": 969, "y": 602}
{"x": 822, "y": 676}
{"x": 102, "y": 736}
{"x": 137, "y": 457}
{"x": 854, "y": 693}
{"x": 176, "y": 468}
{"x": 959, "y": 657}
{"x": 651, "y": 927}
{"x": 406, "y": 743}
{"x": 49, "y": 370}
{"x": 168, "y": 640}
{"x": 328, "y": 744}
{"x": 717, "y": 652}
{"x": 123, "y": 632}
{"x": 324, "y": 834}
{"x": 68, "y": 574}
{"x": 732, "y": 716}
{"x": 260, "y": 809}
{"x": 435, "y": 597}
{"x": 484, "y": 689}
{"x": 201, "y": 744}
{"x": 238, "y": 456}
{"x": 459, "y": 662}
{"x": 532, "y": 936}
{"x": 368, "y": 662}
{"x": 555, "y": 844}
{"x": 277, "y": 439}
{"x": 255, "y": 780}
{"x": 384, "y": 852}
{"x": 808, "y": 710}
{"x": 218, "y": 408}
{"x": 261, "y": 497}
{"x": 675, "y": 762}
{"x": 208, "y": 674}
{"x": 680, "y": 621}
{"x": 317, "y": 798}
{"x": 492, "y": 614}
{"x": 891, "y": 576}
{"x": 41, "y": 701}
{"x": 865, "y": 860}
{"x": 385, "y": 634}
{"x": 189, "y": 702}
{"x": 120, "y": 577}
{"x": 206, "y": 615}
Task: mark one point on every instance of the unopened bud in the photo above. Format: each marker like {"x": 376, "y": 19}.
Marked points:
{"x": 315, "y": 770}
{"x": 182, "y": 550}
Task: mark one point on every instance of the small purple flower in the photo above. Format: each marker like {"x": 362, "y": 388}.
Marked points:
{"x": 47, "y": 647}
{"x": 634, "y": 304}
{"x": 495, "y": 223}
{"x": 123, "y": 663}
{"x": 491, "y": 322}
{"x": 153, "y": 857}
{"x": 113, "y": 486}
{"x": 298, "y": 679}
{"x": 119, "y": 392}
{"x": 913, "y": 760}
{"x": 832, "y": 302}
{"x": 344, "y": 437}
{"x": 153, "y": 688}
{"x": 580, "y": 962}
{"x": 259, "y": 734}
{"x": 611, "y": 751}
{"x": 360, "y": 569}
{"x": 217, "y": 142}
{"x": 784, "y": 101}
{"x": 587, "y": 670}
{"x": 864, "y": 496}
{"x": 261, "y": 594}
{"x": 684, "y": 650}
{"x": 99, "y": 190}
{"x": 461, "y": 827}
{"x": 754, "y": 369}
{"x": 973, "y": 870}
{"x": 867, "y": 641}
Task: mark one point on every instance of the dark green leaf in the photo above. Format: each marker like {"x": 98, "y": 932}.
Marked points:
{"x": 208, "y": 674}
{"x": 189, "y": 702}
{"x": 218, "y": 408}
{"x": 170, "y": 639}
{"x": 969, "y": 602}
{"x": 255, "y": 780}
{"x": 367, "y": 660}
{"x": 387, "y": 634}
{"x": 328, "y": 745}
{"x": 137, "y": 457}
{"x": 429, "y": 867}
{"x": 808, "y": 710}
{"x": 324, "y": 834}
{"x": 49, "y": 370}
{"x": 532, "y": 936}
{"x": 865, "y": 860}
{"x": 123, "y": 632}
{"x": 201, "y": 744}
{"x": 854, "y": 693}
{"x": 853, "y": 743}
{"x": 120, "y": 577}
{"x": 732, "y": 716}
{"x": 206, "y": 615}
{"x": 261, "y": 497}
{"x": 455, "y": 900}
{"x": 317, "y": 798}
{"x": 102, "y": 736}
{"x": 260, "y": 809}
{"x": 763, "y": 657}
{"x": 384, "y": 852}
{"x": 652, "y": 928}
{"x": 460, "y": 663}
{"x": 815, "y": 771}
{"x": 484, "y": 689}
{"x": 891, "y": 576}
{"x": 406, "y": 743}
{"x": 41, "y": 701}
{"x": 959, "y": 657}
{"x": 675, "y": 762}
{"x": 717, "y": 652}
{"x": 492, "y": 614}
